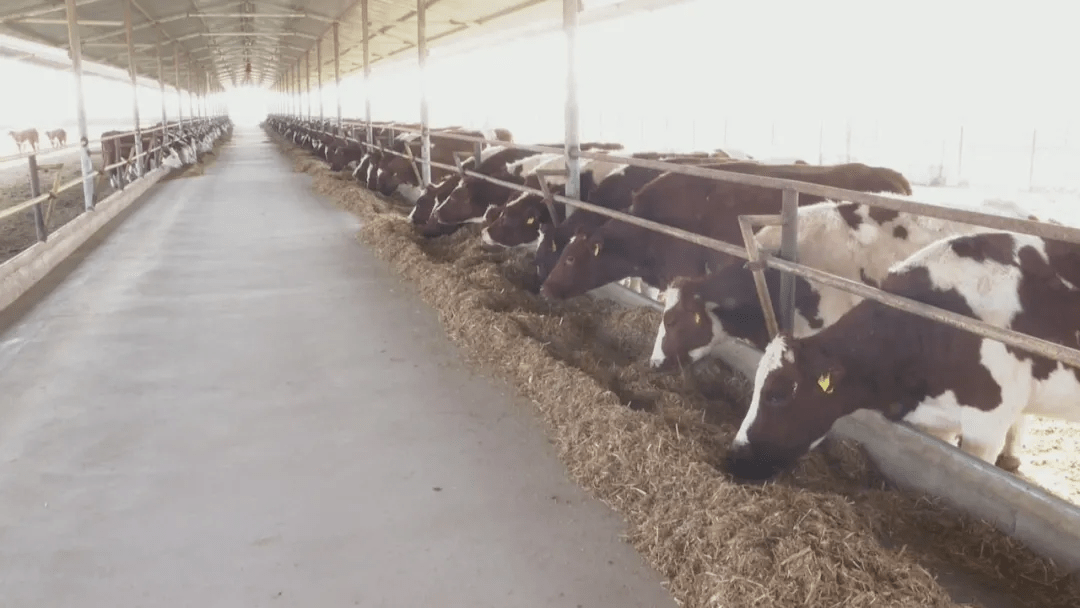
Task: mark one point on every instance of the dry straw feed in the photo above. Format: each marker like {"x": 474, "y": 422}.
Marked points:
{"x": 648, "y": 444}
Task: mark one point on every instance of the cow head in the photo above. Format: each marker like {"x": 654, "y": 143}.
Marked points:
{"x": 688, "y": 328}
{"x": 799, "y": 392}
{"x": 548, "y": 248}
{"x": 396, "y": 171}
{"x": 461, "y": 206}
{"x": 518, "y": 223}
{"x": 587, "y": 262}
{"x": 704, "y": 312}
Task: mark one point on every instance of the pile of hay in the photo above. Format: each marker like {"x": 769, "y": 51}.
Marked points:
{"x": 648, "y": 444}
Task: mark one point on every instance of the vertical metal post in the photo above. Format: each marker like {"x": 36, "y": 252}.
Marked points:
{"x": 190, "y": 97}
{"x": 75, "y": 44}
{"x": 960, "y": 156}
{"x": 1031, "y": 166}
{"x": 318, "y": 72}
{"x": 164, "y": 114}
{"x": 179, "y": 96}
{"x": 337, "y": 74}
{"x": 789, "y": 250}
{"x": 367, "y": 70}
{"x": 134, "y": 89}
{"x": 35, "y": 191}
{"x": 573, "y": 128}
{"x": 206, "y": 97}
{"x": 425, "y": 129}
{"x": 307, "y": 81}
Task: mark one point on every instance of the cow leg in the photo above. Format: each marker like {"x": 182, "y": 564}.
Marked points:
{"x": 983, "y": 434}
{"x": 1009, "y": 460}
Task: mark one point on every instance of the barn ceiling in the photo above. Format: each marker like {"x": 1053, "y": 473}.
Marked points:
{"x": 220, "y": 39}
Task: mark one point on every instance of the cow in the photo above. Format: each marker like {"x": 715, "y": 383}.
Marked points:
{"x": 941, "y": 379}
{"x": 117, "y": 146}
{"x": 615, "y": 192}
{"x": 395, "y": 172}
{"x": 57, "y": 137}
{"x": 471, "y": 199}
{"x": 617, "y": 249}
{"x": 518, "y": 223}
{"x": 26, "y": 136}
{"x": 702, "y": 314}
{"x": 526, "y": 218}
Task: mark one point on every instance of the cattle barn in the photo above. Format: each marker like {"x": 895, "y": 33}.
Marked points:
{"x": 331, "y": 352}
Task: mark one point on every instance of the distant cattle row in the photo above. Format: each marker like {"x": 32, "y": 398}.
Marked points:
{"x": 183, "y": 146}
{"x": 844, "y": 354}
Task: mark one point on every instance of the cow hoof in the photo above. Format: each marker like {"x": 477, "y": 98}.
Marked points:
{"x": 1008, "y": 463}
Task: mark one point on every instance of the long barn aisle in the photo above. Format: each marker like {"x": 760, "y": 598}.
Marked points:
{"x": 229, "y": 402}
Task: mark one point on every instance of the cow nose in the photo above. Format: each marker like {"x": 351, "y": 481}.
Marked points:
{"x": 746, "y": 466}
{"x": 663, "y": 365}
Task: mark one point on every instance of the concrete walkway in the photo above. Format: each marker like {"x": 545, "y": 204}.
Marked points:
{"x": 229, "y": 402}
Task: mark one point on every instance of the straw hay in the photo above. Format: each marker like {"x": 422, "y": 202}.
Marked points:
{"x": 828, "y": 534}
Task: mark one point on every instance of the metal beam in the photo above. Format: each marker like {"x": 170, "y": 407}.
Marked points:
{"x": 318, "y": 70}
{"x": 337, "y": 74}
{"x": 37, "y": 12}
{"x": 164, "y": 114}
{"x": 179, "y": 96}
{"x": 134, "y": 89}
{"x": 86, "y": 22}
{"x": 425, "y": 129}
{"x": 367, "y": 70}
{"x": 80, "y": 107}
{"x": 573, "y": 127}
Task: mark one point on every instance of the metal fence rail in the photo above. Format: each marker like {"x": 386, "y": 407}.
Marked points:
{"x": 40, "y": 217}
{"x": 1031, "y": 344}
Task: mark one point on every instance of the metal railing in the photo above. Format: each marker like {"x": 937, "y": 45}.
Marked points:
{"x": 41, "y": 216}
{"x": 761, "y": 260}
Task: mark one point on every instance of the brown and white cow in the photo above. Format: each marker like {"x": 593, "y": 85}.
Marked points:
{"x": 943, "y": 380}
{"x": 708, "y": 207}
{"x": 616, "y": 192}
{"x": 57, "y": 138}
{"x": 395, "y": 173}
{"x": 853, "y": 241}
{"x": 518, "y": 224}
{"x": 472, "y": 197}
{"x": 26, "y": 136}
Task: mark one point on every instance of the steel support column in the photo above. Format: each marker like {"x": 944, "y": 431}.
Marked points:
{"x": 134, "y": 88}
{"x": 307, "y": 81}
{"x": 337, "y": 73}
{"x": 75, "y": 44}
{"x": 789, "y": 250}
{"x": 573, "y": 127}
{"x": 190, "y": 96}
{"x": 367, "y": 70}
{"x": 179, "y": 95}
{"x": 318, "y": 73}
{"x": 425, "y": 129}
{"x": 164, "y": 113}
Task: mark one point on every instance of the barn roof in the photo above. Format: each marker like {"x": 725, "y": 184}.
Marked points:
{"x": 221, "y": 37}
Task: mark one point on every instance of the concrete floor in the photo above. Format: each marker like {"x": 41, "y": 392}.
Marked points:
{"x": 229, "y": 402}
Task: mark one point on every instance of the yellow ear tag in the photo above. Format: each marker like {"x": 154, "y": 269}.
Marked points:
{"x": 825, "y": 383}
{"x": 596, "y": 249}
{"x": 531, "y": 221}
{"x": 553, "y": 247}
{"x": 697, "y": 318}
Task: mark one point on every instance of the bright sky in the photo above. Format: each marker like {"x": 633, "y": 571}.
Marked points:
{"x": 772, "y": 77}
